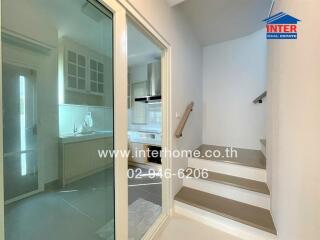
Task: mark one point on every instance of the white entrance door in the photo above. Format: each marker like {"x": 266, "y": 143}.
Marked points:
{"x": 19, "y": 131}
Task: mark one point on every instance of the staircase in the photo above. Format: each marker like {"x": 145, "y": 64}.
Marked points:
{"x": 232, "y": 197}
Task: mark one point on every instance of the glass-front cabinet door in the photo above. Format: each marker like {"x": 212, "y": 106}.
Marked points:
{"x": 57, "y": 94}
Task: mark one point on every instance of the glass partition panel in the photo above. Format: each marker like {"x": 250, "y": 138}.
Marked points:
{"x": 57, "y": 61}
{"x": 145, "y": 132}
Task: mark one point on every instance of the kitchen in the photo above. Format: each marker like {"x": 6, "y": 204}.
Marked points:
{"x": 145, "y": 111}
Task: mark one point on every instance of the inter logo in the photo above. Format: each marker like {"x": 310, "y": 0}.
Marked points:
{"x": 282, "y": 26}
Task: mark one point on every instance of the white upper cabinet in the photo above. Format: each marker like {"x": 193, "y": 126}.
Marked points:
{"x": 96, "y": 77}
{"x": 84, "y": 69}
{"x": 76, "y": 71}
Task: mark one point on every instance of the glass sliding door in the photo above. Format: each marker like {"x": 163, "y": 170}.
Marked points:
{"x": 145, "y": 132}
{"x": 57, "y": 90}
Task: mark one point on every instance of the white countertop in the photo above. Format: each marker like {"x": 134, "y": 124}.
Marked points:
{"x": 136, "y": 138}
{"x": 144, "y": 137}
{"x": 80, "y": 137}
{"x": 146, "y": 141}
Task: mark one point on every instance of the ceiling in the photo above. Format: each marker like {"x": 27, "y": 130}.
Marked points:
{"x": 215, "y": 21}
{"x": 141, "y": 49}
{"x": 88, "y": 26}
{"x": 92, "y": 29}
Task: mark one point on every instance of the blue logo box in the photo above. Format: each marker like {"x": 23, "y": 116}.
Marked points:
{"x": 282, "y": 35}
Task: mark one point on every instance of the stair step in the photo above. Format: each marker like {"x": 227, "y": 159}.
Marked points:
{"x": 244, "y": 213}
{"x": 244, "y": 183}
{"x": 245, "y": 157}
{"x": 230, "y": 192}
{"x": 256, "y": 174}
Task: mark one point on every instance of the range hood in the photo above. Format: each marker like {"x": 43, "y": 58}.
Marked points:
{"x": 153, "y": 85}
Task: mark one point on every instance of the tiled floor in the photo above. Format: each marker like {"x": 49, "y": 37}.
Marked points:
{"x": 75, "y": 212}
{"x": 145, "y": 187}
{"x": 182, "y": 228}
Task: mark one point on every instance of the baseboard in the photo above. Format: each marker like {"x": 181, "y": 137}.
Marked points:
{"x": 157, "y": 228}
{"x": 264, "y": 150}
{"x": 70, "y": 180}
{"x": 55, "y": 184}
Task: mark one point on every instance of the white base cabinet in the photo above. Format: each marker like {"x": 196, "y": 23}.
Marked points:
{"x": 81, "y": 159}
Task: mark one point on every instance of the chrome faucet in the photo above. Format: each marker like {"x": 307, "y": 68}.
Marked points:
{"x": 75, "y": 129}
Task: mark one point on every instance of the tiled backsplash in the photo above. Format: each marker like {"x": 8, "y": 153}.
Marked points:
{"x": 70, "y": 115}
{"x": 154, "y": 118}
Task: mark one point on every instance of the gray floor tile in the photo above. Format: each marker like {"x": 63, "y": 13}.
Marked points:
{"x": 75, "y": 212}
{"x": 47, "y": 216}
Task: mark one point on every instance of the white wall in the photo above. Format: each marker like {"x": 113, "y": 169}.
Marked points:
{"x": 234, "y": 74}
{"x": 293, "y": 125}
{"x": 37, "y": 27}
{"x": 186, "y": 72}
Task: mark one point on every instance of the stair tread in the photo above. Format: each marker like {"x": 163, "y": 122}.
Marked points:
{"x": 244, "y": 213}
{"x": 244, "y": 183}
{"x": 246, "y": 157}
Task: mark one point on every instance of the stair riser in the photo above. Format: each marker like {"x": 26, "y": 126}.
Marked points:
{"x": 227, "y": 225}
{"x": 227, "y": 191}
{"x": 229, "y": 169}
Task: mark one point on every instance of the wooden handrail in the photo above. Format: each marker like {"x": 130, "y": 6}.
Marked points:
{"x": 183, "y": 120}
{"x": 260, "y": 98}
